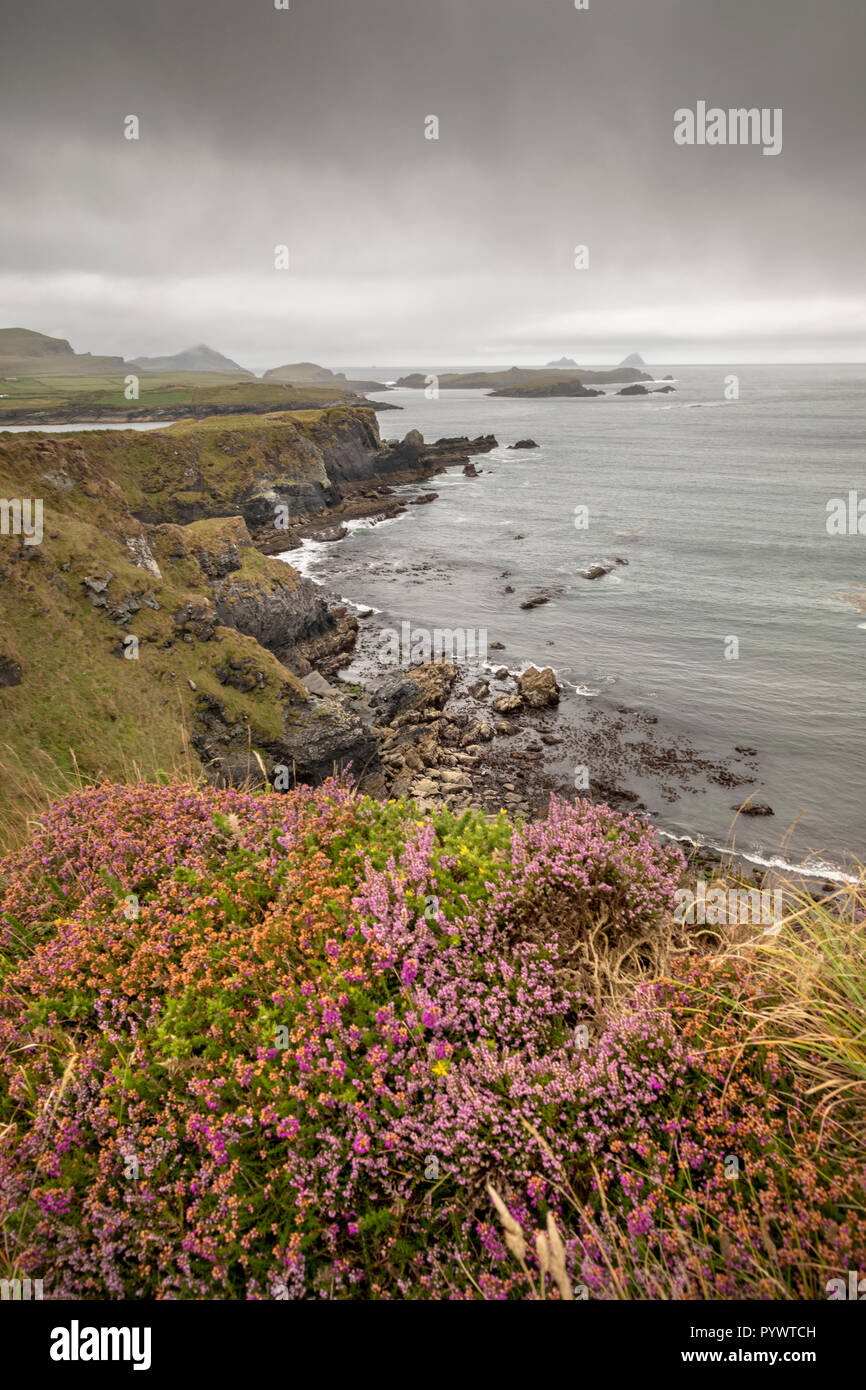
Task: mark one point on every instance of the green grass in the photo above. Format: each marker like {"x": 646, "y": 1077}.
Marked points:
{"x": 74, "y": 396}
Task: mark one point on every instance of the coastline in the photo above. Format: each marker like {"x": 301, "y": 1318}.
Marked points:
{"x": 171, "y": 415}
{"x": 519, "y": 768}
{"x": 632, "y": 767}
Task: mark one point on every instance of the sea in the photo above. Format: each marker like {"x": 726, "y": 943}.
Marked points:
{"x": 738, "y": 621}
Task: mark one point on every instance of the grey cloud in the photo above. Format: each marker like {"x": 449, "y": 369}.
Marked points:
{"x": 306, "y": 127}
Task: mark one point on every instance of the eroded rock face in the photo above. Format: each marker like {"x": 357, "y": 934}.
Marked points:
{"x": 221, "y": 552}
{"x": 478, "y": 731}
{"x": 538, "y": 688}
{"x": 328, "y": 735}
{"x": 393, "y": 695}
{"x": 319, "y": 737}
{"x": 260, "y": 597}
{"x": 142, "y": 555}
{"x": 278, "y": 613}
{"x": 195, "y": 620}
{"x": 421, "y": 688}
{"x": 434, "y": 682}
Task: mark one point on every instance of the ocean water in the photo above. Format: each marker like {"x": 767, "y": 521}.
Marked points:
{"x": 720, "y": 508}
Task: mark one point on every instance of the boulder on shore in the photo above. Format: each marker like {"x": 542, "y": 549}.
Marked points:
{"x": 538, "y": 688}
{"x": 508, "y": 704}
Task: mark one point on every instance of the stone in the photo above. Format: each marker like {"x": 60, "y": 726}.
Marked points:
{"x": 596, "y": 571}
{"x": 142, "y": 555}
{"x": 453, "y": 777}
{"x": 425, "y": 786}
{"x": 315, "y": 684}
{"x": 538, "y": 688}
{"x": 97, "y": 586}
{"x": 508, "y": 704}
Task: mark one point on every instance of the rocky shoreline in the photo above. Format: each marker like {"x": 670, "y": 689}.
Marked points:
{"x": 399, "y": 462}
{"x": 170, "y": 537}
{"x": 470, "y": 736}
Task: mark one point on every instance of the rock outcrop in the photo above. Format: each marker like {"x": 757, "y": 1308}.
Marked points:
{"x": 538, "y": 688}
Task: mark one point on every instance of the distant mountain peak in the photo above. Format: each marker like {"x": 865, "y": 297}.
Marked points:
{"x": 634, "y": 359}
{"x": 562, "y": 362}
{"x": 199, "y": 358}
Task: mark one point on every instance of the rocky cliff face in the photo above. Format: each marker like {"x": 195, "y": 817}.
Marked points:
{"x": 130, "y": 646}
{"x": 150, "y": 628}
{"x": 262, "y": 598}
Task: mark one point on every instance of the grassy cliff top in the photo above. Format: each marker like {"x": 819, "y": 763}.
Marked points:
{"x": 208, "y": 463}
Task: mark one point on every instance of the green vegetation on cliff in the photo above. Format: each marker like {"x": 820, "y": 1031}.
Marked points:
{"x": 144, "y": 634}
{"x": 317, "y": 1046}
{"x": 165, "y": 395}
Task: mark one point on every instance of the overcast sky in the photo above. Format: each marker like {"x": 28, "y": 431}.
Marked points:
{"x": 306, "y": 127}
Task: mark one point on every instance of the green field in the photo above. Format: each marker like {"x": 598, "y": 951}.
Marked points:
{"x": 77, "y": 397}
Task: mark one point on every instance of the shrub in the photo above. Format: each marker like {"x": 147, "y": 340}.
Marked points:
{"x": 258, "y": 1046}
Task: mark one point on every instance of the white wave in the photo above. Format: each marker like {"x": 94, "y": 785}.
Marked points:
{"x": 362, "y": 607}
{"x": 366, "y": 523}
{"x": 304, "y": 558}
{"x": 812, "y": 868}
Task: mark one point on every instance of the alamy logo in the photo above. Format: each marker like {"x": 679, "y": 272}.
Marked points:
{"x": 76, "y": 1343}
{"x": 412, "y": 645}
{"x": 855, "y": 1290}
{"x": 20, "y": 1288}
{"x": 718, "y": 907}
{"x": 846, "y": 517}
{"x": 22, "y": 516}
{"x": 737, "y": 126}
